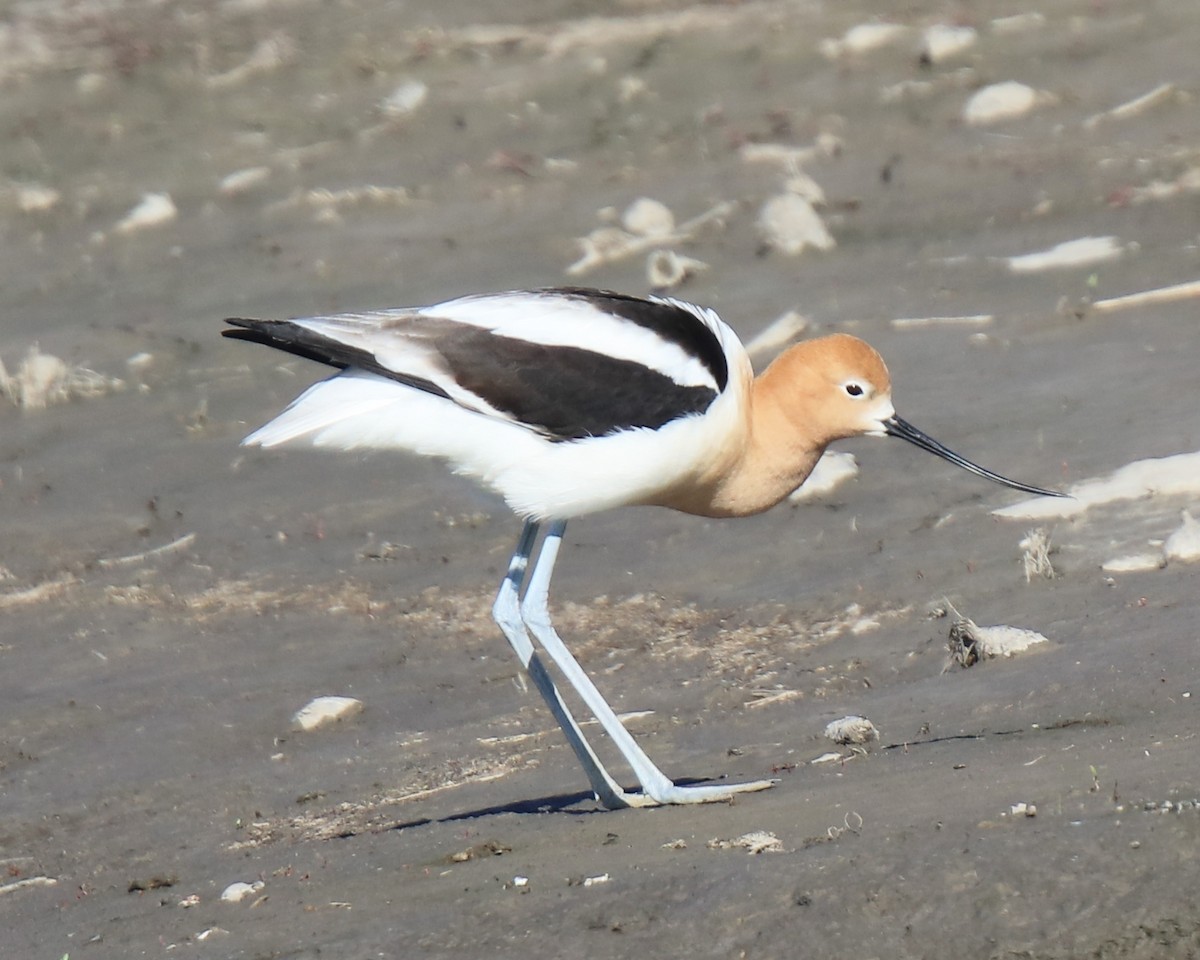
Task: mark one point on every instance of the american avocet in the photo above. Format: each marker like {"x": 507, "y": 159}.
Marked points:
{"x": 570, "y": 401}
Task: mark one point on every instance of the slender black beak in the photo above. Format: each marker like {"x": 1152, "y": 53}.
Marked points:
{"x": 895, "y": 427}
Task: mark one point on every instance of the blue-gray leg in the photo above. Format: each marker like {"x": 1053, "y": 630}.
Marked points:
{"x": 507, "y": 613}
{"x": 534, "y": 611}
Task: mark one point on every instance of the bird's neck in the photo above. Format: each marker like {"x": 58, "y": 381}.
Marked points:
{"x": 775, "y": 452}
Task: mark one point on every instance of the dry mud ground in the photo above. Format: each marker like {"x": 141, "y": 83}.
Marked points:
{"x": 147, "y": 756}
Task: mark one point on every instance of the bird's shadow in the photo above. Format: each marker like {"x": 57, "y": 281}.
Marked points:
{"x": 581, "y": 804}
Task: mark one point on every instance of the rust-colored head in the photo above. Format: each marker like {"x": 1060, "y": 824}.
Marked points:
{"x": 832, "y": 387}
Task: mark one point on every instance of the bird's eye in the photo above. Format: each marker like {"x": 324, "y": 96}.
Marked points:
{"x": 855, "y": 389}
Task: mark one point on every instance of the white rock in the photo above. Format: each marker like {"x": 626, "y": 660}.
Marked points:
{"x": 1134, "y": 563}
{"x": 36, "y": 198}
{"x": 1018, "y": 23}
{"x": 240, "y": 181}
{"x": 943, "y": 41}
{"x": 648, "y": 218}
{"x": 326, "y": 710}
{"x": 851, "y": 729}
{"x": 666, "y": 269}
{"x": 779, "y": 332}
{"x": 1082, "y": 252}
{"x": 155, "y": 210}
{"x": 239, "y": 891}
{"x": 999, "y": 102}
{"x": 863, "y": 39}
{"x": 1184, "y": 544}
{"x": 789, "y": 223}
{"x": 833, "y": 469}
{"x": 406, "y": 99}
{"x": 1177, "y": 475}
{"x": 970, "y": 643}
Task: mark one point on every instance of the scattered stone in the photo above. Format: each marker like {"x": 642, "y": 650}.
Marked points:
{"x": 648, "y": 218}
{"x": 405, "y": 100}
{"x": 326, "y": 710}
{"x": 239, "y": 891}
{"x": 942, "y": 41}
{"x": 1176, "y": 475}
{"x": 36, "y": 198}
{"x": 969, "y": 643}
{"x": 833, "y": 469}
{"x": 155, "y": 210}
{"x": 1018, "y": 23}
{"x": 863, "y": 39}
{"x": 1071, "y": 253}
{"x": 778, "y": 333}
{"x": 26, "y": 883}
{"x": 666, "y": 269}
{"x": 1134, "y": 563}
{"x": 43, "y": 380}
{"x": 1001, "y": 101}
{"x": 969, "y": 320}
{"x": 1131, "y": 108}
{"x": 789, "y": 224}
{"x": 1184, "y": 544}
{"x": 851, "y": 729}
{"x": 243, "y": 181}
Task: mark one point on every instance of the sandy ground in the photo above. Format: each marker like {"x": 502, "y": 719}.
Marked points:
{"x": 147, "y": 755}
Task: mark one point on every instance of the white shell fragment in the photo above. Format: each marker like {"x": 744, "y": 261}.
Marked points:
{"x": 1184, "y": 544}
{"x": 1023, "y": 810}
{"x": 851, "y": 729}
{"x": 239, "y": 891}
{"x": 1131, "y": 108}
{"x": 863, "y": 39}
{"x": 1000, "y": 102}
{"x": 155, "y": 210}
{"x": 648, "y": 218}
{"x": 969, "y": 643}
{"x": 43, "y": 380}
{"x": 666, "y": 269}
{"x": 942, "y": 41}
{"x": 242, "y": 181}
{"x": 789, "y": 224}
{"x": 595, "y": 881}
{"x": 833, "y": 469}
{"x": 757, "y": 841}
{"x": 35, "y": 198}
{"x": 1071, "y": 253}
{"x": 1177, "y": 475}
{"x": 610, "y": 244}
{"x": 1134, "y": 563}
{"x": 405, "y": 100}
{"x": 326, "y": 710}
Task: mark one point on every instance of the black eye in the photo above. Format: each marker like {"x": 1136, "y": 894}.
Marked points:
{"x": 854, "y": 389}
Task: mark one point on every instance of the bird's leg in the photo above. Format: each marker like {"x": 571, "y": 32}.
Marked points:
{"x": 536, "y": 614}
{"x": 507, "y": 613}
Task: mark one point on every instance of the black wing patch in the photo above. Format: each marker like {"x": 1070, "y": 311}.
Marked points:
{"x": 565, "y": 393}
{"x": 672, "y": 323}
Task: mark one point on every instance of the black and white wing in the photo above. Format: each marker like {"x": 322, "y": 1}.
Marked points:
{"x": 565, "y": 363}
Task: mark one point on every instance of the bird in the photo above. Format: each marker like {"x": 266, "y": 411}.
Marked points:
{"x": 568, "y": 401}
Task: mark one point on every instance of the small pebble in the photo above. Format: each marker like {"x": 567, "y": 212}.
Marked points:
{"x": 239, "y": 891}
{"x": 999, "y": 102}
{"x": 326, "y": 710}
{"x": 1184, "y": 544}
